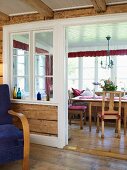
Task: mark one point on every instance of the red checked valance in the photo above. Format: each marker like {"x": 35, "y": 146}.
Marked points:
{"x": 97, "y": 53}
{"x": 23, "y": 46}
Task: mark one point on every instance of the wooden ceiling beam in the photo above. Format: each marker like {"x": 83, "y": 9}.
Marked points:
{"x": 99, "y": 5}
{"x": 3, "y": 17}
{"x": 40, "y": 7}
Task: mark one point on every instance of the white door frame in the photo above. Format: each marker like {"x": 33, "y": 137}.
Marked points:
{"x": 100, "y": 19}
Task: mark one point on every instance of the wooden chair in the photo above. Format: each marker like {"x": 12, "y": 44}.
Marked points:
{"x": 76, "y": 112}
{"x": 14, "y": 143}
{"x": 109, "y": 111}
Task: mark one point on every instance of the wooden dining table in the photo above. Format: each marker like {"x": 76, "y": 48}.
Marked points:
{"x": 97, "y": 101}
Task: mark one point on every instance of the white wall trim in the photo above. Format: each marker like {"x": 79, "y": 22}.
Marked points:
{"x": 118, "y": 17}
{"x": 44, "y": 140}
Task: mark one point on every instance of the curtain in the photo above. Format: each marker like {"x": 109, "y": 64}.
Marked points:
{"x": 24, "y": 46}
{"x": 97, "y": 53}
{"x": 48, "y": 72}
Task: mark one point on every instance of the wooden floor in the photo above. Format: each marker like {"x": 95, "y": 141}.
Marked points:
{"x": 92, "y": 143}
{"x": 47, "y": 158}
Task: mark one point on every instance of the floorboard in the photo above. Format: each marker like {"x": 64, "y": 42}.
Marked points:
{"x": 92, "y": 143}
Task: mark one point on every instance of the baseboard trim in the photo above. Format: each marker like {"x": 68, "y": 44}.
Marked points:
{"x": 44, "y": 140}
{"x": 96, "y": 152}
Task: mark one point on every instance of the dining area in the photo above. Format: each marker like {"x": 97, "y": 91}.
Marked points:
{"x": 101, "y": 128}
{"x": 97, "y": 81}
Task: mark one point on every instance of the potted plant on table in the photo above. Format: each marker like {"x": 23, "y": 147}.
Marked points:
{"x": 108, "y": 85}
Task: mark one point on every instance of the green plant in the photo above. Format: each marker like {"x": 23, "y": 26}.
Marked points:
{"x": 108, "y": 86}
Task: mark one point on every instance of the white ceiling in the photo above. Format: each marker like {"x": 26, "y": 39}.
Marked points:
{"x": 87, "y": 37}
{"x": 16, "y": 7}
{"x": 69, "y": 4}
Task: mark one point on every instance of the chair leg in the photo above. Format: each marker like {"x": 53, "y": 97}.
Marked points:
{"x": 84, "y": 118}
{"x": 25, "y": 165}
{"x": 119, "y": 128}
{"x": 95, "y": 115}
{"x": 81, "y": 120}
{"x": 116, "y": 129}
{"x": 102, "y": 133}
{"x": 69, "y": 116}
{"x": 98, "y": 128}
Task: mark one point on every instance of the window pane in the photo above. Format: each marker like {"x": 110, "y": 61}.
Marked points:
{"x": 73, "y": 72}
{"x": 88, "y": 62}
{"x": 20, "y": 62}
{"x": 73, "y": 69}
{"x": 22, "y": 83}
{"x": 43, "y": 63}
{"x": 88, "y": 84}
{"x": 20, "y": 65}
{"x": 88, "y": 72}
{"x": 103, "y": 73}
{"x": 44, "y": 86}
{"x": 122, "y": 72}
{"x": 72, "y": 83}
{"x": 40, "y": 65}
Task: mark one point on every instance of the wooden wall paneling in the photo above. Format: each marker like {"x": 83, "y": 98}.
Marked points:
{"x": 99, "y": 5}
{"x": 25, "y": 18}
{"x": 121, "y": 8}
{"x": 42, "y": 118}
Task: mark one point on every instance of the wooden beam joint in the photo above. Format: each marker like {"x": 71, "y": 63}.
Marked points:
{"x": 99, "y": 5}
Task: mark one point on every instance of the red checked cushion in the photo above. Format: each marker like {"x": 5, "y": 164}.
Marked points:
{"x": 77, "y": 92}
{"x": 77, "y": 107}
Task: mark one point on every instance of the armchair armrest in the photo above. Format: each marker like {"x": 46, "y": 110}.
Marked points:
{"x": 26, "y": 135}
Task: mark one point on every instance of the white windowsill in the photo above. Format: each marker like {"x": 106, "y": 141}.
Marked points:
{"x": 27, "y": 101}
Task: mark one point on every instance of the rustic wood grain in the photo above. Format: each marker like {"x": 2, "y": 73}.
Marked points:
{"x": 99, "y": 5}
{"x": 92, "y": 143}
{"x": 42, "y": 119}
{"x": 121, "y": 8}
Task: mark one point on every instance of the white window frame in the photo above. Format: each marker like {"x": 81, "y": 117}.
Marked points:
{"x": 58, "y": 75}
{"x": 113, "y": 71}
{"x": 31, "y": 54}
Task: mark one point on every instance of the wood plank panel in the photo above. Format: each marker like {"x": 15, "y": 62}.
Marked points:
{"x": 121, "y": 8}
{"x": 34, "y": 111}
{"x": 92, "y": 143}
{"x": 43, "y": 126}
{"x": 99, "y": 5}
{"x": 42, "y": 118}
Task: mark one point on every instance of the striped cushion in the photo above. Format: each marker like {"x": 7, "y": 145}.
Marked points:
{"x": 77, "y": 107}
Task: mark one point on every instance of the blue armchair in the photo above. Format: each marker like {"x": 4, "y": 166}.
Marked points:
{"x": 14, "y": 143}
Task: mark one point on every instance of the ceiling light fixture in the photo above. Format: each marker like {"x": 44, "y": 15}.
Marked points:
{"x": 108, "y": 63}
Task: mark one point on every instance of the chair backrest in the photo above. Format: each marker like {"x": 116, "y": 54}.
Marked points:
{"x": 5, "y": 105}
{"x": 108, "y": 100}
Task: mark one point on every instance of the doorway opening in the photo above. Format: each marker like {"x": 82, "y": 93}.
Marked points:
{"x": 87, "y": 49}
